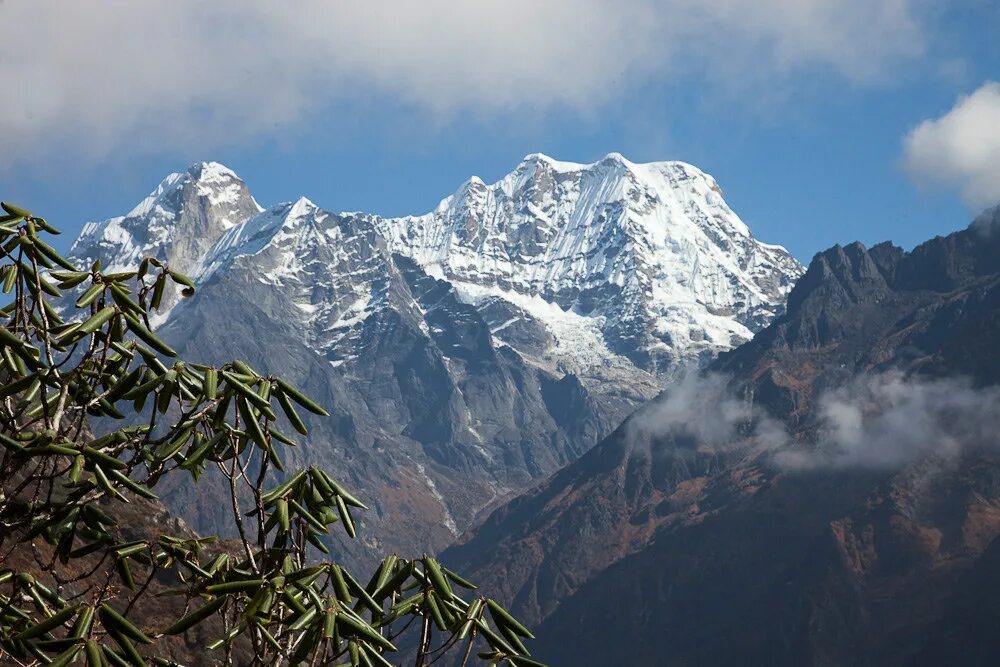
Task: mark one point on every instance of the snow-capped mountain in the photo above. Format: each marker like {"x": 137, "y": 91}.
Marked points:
{"x": 178, "y": 222}
{"x": 647, "y": 256}
{"x": 469, "y": 352}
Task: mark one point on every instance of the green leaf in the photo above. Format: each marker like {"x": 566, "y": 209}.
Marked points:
{"x": 281, "y": 506}
{"x": 124, "y": 384}
{"x": 102, "y": 459}
{"x": 132, "y": 655}
{"x": 305, "y": 514}
{"x": 10, "y": 278}
{"x": 464, "y": 583}
{"x": 144, "y": 334}
{"x": 15, "y": 211}
{"x": 342, "y": 492}
{"x": 124, "y": 302}
{"x": 125, "y": 573}
{"x": 180, "y": 278}
{"x": 252, "y": 426}
{"x": 134, "y": 487}
{"x": 90, "y": 295}
{"x": 375, "y": 657}
{"x": 7, "y": 338}
{"x": 293, "y": 416}
{"x": 361, "y": 629}
{"x": 502, "y": 618}
{"x": 247, "y": 393}
{"x": 17, "y": 386}
{"x": 339, "y": 584}
{"x": 49, "y": 624}
{"x": 195, "y": 617}
{"x": 66, "y": 657}
{"x": 158, "y": 287}
{"x": 345, "y": 517}
{"x": 210, "y": 386}
{"x": 113, "y": 658}
{"x": 302, "y": 399}
{"x": 242, "y": 586}
{"x": 83, "y": 622}
{"x": 94, "y": 658}
{"x": 112, "y": 620}
{"x": 105, "y": 483}
{"x": 97, "y": 321}
{"x": 51, "y": 253}
{"x": 435, "y": 612}
{"x": 433, "y": 571}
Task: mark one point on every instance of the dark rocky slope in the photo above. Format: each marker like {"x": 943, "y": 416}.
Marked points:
{"x": 668, "y": 552}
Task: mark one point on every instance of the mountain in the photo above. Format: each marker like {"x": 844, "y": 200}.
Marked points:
{"x": 468, "y": 353}
{"x": 649, "y": 255}
{"x": 828, "y": 493}
{"x": 178, "y": 222}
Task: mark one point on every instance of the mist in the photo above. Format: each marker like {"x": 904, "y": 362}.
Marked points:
{"x": 701, "y": 412}
{"x": 888, "y": 420}
{"x": 883, "y": 420}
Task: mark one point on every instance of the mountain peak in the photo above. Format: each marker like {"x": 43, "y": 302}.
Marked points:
{"x": 987, "y": 223}
{"x": 612, "y": 241}
{"x": 176, "y": 222}
{"x": 301, "y": 206}
{"x": 211, "y": 171}
{"x": 645, "y": 261}
{"x": 558, "y": 165}
{"x": 611, "y": 158}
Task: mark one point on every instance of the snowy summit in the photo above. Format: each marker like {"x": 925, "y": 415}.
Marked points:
{"x": 576, "y": 266}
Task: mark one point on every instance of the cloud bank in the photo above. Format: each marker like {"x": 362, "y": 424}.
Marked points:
{"x": 887, "y": 420}
{"x": 114, "y": 75}
{"x": 960, "y": 149}
{"x": 700, "y": 413}
{"x": 879, "y": 421}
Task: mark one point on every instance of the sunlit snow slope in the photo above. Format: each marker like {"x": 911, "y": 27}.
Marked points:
{"x": 648, "y": 256}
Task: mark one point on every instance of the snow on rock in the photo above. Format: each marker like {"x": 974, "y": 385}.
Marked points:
{"x": 650, "y": 253}
{"x": 178, "y": 222}
{"x": 610, "y": 263}
{"x": 491, "y": 340}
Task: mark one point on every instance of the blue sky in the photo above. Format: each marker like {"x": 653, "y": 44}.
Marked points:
{"x": 807, "y": 118}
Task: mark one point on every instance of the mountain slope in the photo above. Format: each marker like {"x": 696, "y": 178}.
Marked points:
{"x": 432, "y": 420}
{"x": 468, "y": 353}
{"x": 734, "y": 546}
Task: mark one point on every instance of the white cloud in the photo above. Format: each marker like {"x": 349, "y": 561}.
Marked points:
{"x": 879, "y": 420}
{"x": 112, "y": 74}
{"x": 888, "y": 420}
{"x": 961, "y": 148}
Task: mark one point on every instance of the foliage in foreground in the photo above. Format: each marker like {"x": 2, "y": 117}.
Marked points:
{"x": 264, "y": 597}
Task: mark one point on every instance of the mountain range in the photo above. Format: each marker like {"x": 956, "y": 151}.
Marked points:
{"x": 622, "y": 411}
{"x": 468, "y": 353}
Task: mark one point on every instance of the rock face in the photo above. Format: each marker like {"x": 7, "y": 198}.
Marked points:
{"x": 178, "y": 222}
{"x": 681, "y": 553}
{"x": 468, "y": 353}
